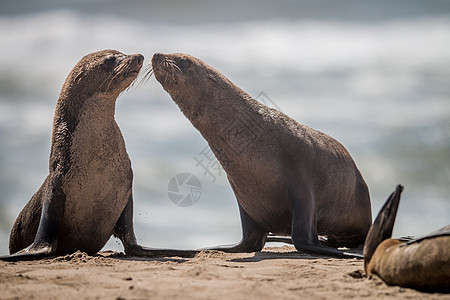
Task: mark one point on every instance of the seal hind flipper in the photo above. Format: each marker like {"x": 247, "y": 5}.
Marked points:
{"x": 29, "y": 254}
{"x": 383, "y": 225}
{"x": 304, "y": 232}
{"x": 44, "y": 243}
{"x": 254, "y": 236}
{"x": 26, "y": 225}
{"x": 327, "y": 251}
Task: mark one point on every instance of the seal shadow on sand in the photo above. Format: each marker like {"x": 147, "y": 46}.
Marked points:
{"x": 294, "y": 254}
{"x": 257, "y": 257}
{"x": 122, "y": 256}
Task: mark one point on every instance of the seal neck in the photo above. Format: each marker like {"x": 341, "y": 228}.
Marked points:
{"x": 99, "y": 107}
{"x": 96, "y": 111}
{"x": 230, "y": 121}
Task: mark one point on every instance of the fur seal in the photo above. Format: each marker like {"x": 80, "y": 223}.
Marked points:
{"x": 421, "y": 263}
{"x": 288, "y": 179}
{"x": 87, "y": 196}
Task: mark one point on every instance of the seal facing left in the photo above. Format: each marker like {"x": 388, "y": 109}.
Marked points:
{"x": 87, "y": 196}
{"x": 288, "y": 178}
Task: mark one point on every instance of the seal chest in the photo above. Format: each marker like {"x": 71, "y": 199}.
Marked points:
{"x": 100, "y": 179}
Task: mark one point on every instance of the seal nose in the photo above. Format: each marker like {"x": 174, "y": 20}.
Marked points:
{"x": 157, "y": 57}
{"x": 136, "y": 60}
{"x": 139, "y": 58}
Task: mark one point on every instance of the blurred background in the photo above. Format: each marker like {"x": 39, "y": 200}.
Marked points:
{"x": 373, "y": 74}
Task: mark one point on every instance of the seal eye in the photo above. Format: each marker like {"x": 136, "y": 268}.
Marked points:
{"x": 184, "y": 63}
{"x": 109, "y": 62}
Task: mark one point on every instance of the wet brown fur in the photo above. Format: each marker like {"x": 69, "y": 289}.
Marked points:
{"x": 271, "y": 160}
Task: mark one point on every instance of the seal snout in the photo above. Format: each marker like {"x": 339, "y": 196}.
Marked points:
{"x": 139, "y": 58}
{"x": 136, "y": 61}
{"x": 157, "y": 59}
{"x": 165, "y": 68}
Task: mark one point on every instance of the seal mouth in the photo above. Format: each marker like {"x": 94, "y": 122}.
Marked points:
{"x": 165, "y": 69}
{"x": 133, "y": 64}
{"x": 128, "y": 67}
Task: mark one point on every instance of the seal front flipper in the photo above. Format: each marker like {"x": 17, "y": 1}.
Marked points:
{"x": 45, "y": 240}
{"x": 125, "y": 232}
{"x": 29, "y": 253}
{"x": 253, "y": 236}
{"x": 304, "y": 230}
{"x": 383, "y": 225}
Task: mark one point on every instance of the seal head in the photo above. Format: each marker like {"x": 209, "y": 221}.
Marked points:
{"x": 189, "y": 81}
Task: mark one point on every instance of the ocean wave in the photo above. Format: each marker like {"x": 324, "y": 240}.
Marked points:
{"x": 265, "y": 46}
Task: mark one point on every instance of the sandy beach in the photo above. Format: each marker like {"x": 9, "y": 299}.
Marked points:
{"x": 273, "y": 273}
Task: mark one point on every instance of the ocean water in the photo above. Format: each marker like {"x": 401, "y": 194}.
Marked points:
{"x": 375, "y": 77}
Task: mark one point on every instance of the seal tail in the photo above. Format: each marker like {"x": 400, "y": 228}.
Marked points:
{"x": 382, "y": 228}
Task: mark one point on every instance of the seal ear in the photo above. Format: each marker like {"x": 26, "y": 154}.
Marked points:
{"x": 211, "y": 77}
{"x": 381, "y": 229}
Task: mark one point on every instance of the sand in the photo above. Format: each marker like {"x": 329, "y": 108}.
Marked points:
{"x": 276, "y": 273}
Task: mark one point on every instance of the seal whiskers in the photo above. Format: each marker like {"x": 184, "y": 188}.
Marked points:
{"x": 173, "y": 64}
{"x": 148, "y": 72}
{"x": 171, "y": 67}
{"x": 122, "y": 68}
